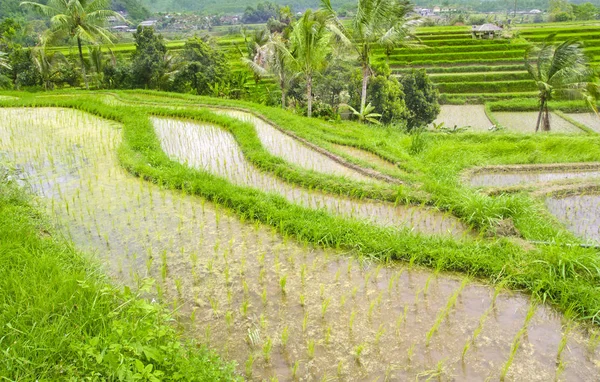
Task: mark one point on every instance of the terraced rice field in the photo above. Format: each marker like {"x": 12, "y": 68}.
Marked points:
{"x": 590, "y": 120}
{"x": 471, "y": 116}
{"x": 578, "y": 210}
{"x": 525, "y": 122}
{"x": 278, "y": 307}
{"x": 215, "y": 150}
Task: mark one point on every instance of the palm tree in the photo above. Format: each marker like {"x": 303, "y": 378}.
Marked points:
{"x": 310, "y": 43}
{"x": 380, "y": 22}
{"x": 47, "y": 65}
{"x": 81, "y": 20}
{"x": 274, "y": 58}
{"x": 557, "y": 68}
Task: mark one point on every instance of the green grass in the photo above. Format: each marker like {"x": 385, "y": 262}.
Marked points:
{"x": 564, "y": 276}
{"x": 62, "y": 320}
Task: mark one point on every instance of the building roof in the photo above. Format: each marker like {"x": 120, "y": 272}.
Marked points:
{"x": 486, "y": 28}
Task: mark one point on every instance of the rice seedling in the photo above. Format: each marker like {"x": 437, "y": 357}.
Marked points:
{"x": 282, "y": 283}
{"x": 295, "y": 367}
{"x": 266, "y": 350}
{"x": 446, "y": 311}
{"x": 310, "y": 348}
{"x": 324, "y": 305}
{"x": 358, "y": 351}
{"x": 248, "y": 365}
{"x": 517, "y": 340}
{"x": 285, "y": 336}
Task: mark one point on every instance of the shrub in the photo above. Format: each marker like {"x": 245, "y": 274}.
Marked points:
{"x": 421, "y": 99}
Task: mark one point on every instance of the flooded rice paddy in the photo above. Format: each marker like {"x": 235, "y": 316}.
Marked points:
{"x": 590, "y": 120}
{"x": 464, "y": 115}
{"x": 291, "y": 150}
{"x": 527, "y": 178}
{"x": 215, "y": 150}
{"x": 580, "y": 214}
{"x": 525, "y": 122}
{"x": 366, "y": 156}
{"x": 281, "y": 308}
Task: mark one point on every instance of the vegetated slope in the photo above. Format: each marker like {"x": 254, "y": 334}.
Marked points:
{"x": 467, "y": 69}
{"x": 226, "y": 6}
{"x": 134, "y": 8}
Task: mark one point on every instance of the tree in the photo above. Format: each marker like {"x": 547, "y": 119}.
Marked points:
{"x": 148, "y": 63}
{"x": 421, "y": 99}
{"x": 274, "y": 58}
{"x": 203, "y": 67}
{"x": 82, "y": 20}
{"x": 560, "y": 10}
{"x": 47, "y": 65}
{"x": 562, "y": 68}
{"x": 585, "y": 11}
{"x": 310, "y": 46}
{"x": 384, "y": 94}
{"x": 379, "y": 22}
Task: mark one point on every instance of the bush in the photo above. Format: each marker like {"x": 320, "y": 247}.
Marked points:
{"x": 421, "y": 98}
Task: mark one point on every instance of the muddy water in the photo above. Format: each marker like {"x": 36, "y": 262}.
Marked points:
{"x": 521, "y": 178}
{"x": 590, "y": 120}
{"x": 288, "y": 148}
{"x": 366, "y": 156}
{"x": 215, "y": 150}
{"x": 580, "y": 213}
{"x": 228, "y": 275}
{"x": 525, "y": 122}
{"x": 472, "y": 116}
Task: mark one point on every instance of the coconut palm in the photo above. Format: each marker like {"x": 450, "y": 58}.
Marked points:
{"x": 47, "y": 65}
{"x": 380, "y": 22}
{"x": 557, "y": 68}
{"x": 310, "y": 45}
{"x": 82, "y": 20}
{"x": 274, "y": 58}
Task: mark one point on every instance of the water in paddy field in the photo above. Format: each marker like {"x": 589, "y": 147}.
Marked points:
{"x": 472, "y": 116}
{"x": 525, "y": 122}
{"x": 276, "y": 306}
{"x": 292, "y": 151}
{"x": 366, "y": 156}
{"x": 525, "y": 178}
{"x": 215, "y": 150}
{"x": 580, "y": 213}
{"x": 590, "y": 120}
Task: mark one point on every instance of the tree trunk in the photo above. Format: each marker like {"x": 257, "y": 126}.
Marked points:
{"x": 85, "y": 80}
{"x": 546, "y": 119}
{"x": 365, "y": 82}
{"x": 282, "y": 87}
{"x": 537, "y": 125}
{"x": 309, "y": 95}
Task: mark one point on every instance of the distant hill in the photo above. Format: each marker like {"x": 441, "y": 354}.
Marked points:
{"x": 136, "y": 10}
{"x": 226, "y": 6}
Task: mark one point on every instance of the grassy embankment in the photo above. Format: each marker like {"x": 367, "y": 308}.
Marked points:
{"x": 564, "y": 276}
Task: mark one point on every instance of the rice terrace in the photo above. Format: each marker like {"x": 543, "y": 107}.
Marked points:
{"x": 371, "y": 190}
